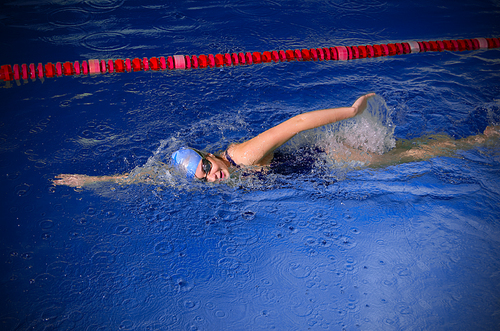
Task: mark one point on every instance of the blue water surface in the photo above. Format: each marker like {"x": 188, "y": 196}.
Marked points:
{"x": 412, "y": 246}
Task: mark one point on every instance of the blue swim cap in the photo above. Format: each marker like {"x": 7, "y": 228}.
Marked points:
{"x": 186, "y": 159}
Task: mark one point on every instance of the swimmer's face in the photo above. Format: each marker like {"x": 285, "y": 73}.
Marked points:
{"x": 218, "y": 171}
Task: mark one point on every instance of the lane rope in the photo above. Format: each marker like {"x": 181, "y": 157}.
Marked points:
{"x": 24, "y": 71}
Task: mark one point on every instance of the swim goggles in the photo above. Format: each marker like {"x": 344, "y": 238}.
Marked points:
{"x": 206, "y": 165}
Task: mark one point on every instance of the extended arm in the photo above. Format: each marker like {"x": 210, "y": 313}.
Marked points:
{"x": 259, "y": 150}
{"x": 78, "y": 181}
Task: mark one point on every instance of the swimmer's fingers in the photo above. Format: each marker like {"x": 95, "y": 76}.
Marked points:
{"x": 361, "y": 104}
{"x": 70, "y": 180}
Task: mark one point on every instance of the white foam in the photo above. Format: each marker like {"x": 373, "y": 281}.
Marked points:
{"x": 352, "y": 142}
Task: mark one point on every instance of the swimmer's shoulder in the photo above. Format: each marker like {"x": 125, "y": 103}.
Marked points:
{"x": 240, "y": 154}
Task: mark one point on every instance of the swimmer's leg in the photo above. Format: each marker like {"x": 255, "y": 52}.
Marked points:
{"x": 421, "y": 149}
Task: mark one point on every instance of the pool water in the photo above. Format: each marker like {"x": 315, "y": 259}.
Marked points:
{"x": 412, "y": 246}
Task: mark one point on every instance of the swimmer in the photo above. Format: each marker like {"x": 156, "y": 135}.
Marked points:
{"x": 259, "y": 151}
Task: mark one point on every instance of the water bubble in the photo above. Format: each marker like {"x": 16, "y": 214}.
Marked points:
{"x": 389, "y": 321}
{"x": 349, "y": 267}
{"x": 248, "y": 215}
{"x": 266, "y": 282}
{"x": 220, "y": 314}
{"x": 190, "y": 304}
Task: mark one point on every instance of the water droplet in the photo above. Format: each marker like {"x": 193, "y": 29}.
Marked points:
{"x": 249, "y": 215}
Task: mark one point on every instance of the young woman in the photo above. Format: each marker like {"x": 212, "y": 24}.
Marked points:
{"x": 259, "y": 151}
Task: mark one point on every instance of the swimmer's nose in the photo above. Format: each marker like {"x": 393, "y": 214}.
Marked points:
{"x": 212, "y": 177}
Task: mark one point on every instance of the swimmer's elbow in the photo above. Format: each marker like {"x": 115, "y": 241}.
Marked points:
{"x": 300, "y": 123}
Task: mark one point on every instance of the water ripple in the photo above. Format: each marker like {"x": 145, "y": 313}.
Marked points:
{"x": 104, "y": 5}
{"x": 69, "y": 17}
{"x": 106, "y": 41}
{"x": 358, "y": 5}
{"x": 176, "y": 23}
{"x": 258, "y": 8}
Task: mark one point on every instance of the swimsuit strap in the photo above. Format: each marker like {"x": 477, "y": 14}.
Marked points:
{"x": 226, "y": 155}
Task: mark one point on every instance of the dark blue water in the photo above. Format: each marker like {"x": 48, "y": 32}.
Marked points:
{"x": 413, "y": 246}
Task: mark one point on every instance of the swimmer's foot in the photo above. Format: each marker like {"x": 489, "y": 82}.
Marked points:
{"x": 492, "y": 131}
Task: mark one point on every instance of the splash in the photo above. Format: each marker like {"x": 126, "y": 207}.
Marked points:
{"x": 352, "y": 142}
{"x": 346, "y": 144}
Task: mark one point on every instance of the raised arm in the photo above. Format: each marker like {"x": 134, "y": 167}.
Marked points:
{"x": 259, "y": 150}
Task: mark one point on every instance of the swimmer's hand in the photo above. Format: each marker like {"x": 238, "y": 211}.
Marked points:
{"x": 71, "y": 180}
{"x": 361, "y": 104}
